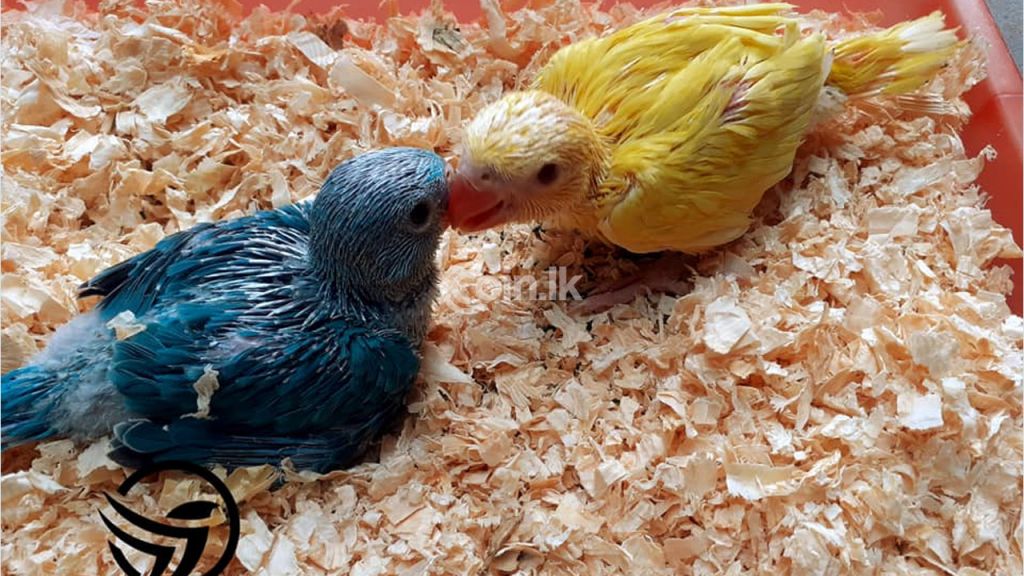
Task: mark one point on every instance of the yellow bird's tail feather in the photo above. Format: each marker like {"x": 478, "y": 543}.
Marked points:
{"x": 895, "y": 61}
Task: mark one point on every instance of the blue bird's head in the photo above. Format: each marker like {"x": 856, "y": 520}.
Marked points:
{"x": 377, "y": 222}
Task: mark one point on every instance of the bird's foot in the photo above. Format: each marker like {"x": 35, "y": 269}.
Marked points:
{"x": 661, "y": 276}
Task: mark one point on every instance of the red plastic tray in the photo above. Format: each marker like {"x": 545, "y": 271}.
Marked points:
{"x": 997, "y": 102}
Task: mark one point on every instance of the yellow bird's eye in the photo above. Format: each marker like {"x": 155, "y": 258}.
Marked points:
{"x": 548, "y": 173}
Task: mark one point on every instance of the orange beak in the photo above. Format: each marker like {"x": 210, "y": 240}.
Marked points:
{"x": 472, "y": 208}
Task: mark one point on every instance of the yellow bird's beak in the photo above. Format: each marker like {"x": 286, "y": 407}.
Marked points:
{"x": 474, "y": 205}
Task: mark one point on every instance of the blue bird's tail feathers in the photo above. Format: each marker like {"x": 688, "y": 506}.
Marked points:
{"x": 140, "y": 442}
{"x": 26, "y": 396}
{"x": 64, "y": 390}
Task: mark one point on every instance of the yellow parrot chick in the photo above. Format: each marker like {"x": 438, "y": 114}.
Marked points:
{"x": 665, "y": 135}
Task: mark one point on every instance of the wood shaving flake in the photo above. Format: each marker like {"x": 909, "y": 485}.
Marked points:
{"x": 205, "y": 386}
{"x": 840, "y": 392}
{"x": 125, "y": 325}
{"x": 725, "y": 325}
{"x": 919, "y": 412}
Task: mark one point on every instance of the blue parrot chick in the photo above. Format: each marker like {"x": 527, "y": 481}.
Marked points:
{"x": 290, "y": 333}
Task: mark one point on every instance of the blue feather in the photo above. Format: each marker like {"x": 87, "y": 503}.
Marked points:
{"x": 25, "y": 415}
{"x": 311, "y": 315}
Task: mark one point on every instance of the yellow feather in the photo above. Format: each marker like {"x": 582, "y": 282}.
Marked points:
{"x": 894, "y": 61}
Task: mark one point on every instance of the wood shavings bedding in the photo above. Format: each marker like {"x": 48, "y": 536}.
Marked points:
{"x": 840, "y": 392}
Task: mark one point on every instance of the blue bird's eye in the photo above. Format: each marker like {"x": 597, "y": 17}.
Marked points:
{"x": 419, "y": 216}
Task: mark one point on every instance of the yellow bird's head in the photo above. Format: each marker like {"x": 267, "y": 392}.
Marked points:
{"x": 526, "y": 157}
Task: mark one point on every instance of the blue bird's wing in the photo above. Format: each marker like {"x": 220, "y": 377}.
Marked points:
{"x": 294, "y": 379}
{"x": 235, "y": 301}
{"x": 139, "y": 276}
{"x": 319, "y": 404}
{"x": 136, "y": 283}
{"x": 188, "y": 260}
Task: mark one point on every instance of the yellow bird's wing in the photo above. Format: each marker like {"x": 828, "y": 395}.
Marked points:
{"x": 615, "y": 79}
{"x": 688, "y": 180}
